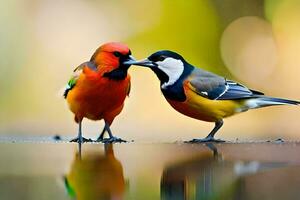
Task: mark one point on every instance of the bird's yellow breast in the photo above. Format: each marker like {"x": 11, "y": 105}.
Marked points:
{"x": 199, "y": 107}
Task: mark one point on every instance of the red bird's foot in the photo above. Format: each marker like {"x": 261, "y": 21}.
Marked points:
{"x": 110, "y": 140}
{"x": 83, "y": 140}
{"x": 205, "y": 140}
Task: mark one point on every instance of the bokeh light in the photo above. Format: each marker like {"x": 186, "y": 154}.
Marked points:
{"x": 249, "y": 50}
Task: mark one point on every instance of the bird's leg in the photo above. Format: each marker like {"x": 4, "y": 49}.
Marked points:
{"x": 101, "y": 136}
{"x": 111, "y": 138}
{"x": 80, "y": 139}
{"x": 210, "y": 137}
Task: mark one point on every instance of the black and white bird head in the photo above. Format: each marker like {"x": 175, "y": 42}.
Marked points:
{"x": 167, "y": 65}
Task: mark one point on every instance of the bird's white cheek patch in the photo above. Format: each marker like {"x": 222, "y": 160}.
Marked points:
{"x": 173, "y": 68}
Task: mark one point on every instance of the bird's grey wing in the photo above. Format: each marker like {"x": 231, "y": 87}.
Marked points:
{"x": 237, "y": 91}
{"x": 216, "y": 87}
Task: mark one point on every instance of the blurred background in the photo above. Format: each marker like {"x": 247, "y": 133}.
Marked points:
{"x": 255, "y": 42}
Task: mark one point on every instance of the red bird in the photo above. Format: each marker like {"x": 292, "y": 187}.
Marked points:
{"x": 98, "y": 88}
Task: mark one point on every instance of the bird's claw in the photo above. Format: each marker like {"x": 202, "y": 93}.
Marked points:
{"x": 110, "y": 140}
{"x": 83, "y": 140}
{"x": 205, "y": 140}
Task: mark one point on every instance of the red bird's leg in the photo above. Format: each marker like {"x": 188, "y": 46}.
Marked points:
{"x": 80, "y": 139}
{"x": 210, "y": 137}
{"x": 111, "y": 139}
{"x": 101, "y": 136}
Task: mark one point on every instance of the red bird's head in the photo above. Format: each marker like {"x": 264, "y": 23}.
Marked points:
{"x": 115, "y": 57}
{"x": 113, "y": 54}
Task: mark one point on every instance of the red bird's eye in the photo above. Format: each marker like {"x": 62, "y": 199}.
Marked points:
{"x": 117, "y": 54}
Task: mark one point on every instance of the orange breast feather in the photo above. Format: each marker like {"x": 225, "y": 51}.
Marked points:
{"x": 96, "y": 97}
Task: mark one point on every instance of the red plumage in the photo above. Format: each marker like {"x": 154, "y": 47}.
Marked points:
{"x": 97, "y": 94}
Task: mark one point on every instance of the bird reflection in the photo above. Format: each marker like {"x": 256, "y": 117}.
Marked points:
{"x": 96, "y": 176}
{"x": 206, "y": 176}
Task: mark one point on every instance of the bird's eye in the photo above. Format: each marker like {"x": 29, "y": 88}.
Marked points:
{"x": 117, "y": 54}
{"x": 160, "y": 58}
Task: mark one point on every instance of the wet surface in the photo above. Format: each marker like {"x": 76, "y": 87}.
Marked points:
{"x": 48, "y": 170}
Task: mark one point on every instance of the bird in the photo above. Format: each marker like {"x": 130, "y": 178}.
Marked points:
{"x": 98, "y": 88}
{"x": 95, "y": 176}
{"x": 201, "y": 94}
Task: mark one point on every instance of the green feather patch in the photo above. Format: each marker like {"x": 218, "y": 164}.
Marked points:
{"x": 70, "y": 190}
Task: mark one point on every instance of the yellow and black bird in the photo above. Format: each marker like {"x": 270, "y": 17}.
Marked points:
{"x": 201, "y": 94}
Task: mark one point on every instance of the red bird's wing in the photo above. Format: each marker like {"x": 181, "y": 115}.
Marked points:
{"x": 76, "y": 73}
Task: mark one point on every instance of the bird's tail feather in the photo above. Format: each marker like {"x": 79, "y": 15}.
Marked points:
{"x": 269, "y": 101}
{"x": 62, "y": 92}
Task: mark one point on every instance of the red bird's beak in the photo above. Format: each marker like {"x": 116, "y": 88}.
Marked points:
{"x": 145, "y": 62}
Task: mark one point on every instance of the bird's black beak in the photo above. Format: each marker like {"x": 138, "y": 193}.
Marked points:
{"x": 145, "y": 62}
{"x": 129, "y": 60}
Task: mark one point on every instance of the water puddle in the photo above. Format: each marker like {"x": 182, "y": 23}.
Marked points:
{"x": 149, "y": 171}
